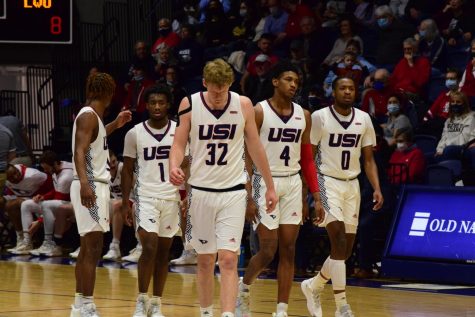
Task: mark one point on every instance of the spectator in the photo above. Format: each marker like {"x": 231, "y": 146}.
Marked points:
{"x": 204, "y": 6}
{"x": 248, "y": 21}
{"x": 24, "y": 153}
{"x": 141, "y": 58}
{"x": 316, "y": 41}
{"x": 263, "y": 12}
{"x": 134, "y": 101}
{"x": 330, "y": 15}
{"x": 412, "y": 73}
{"x": 259, "y": 87}
{"x": 456, "y": 22}
{"x": 178, "y": 93}
{"x": 265, "y": 46}
{"x": 375, "y": 100}
{"x": 407, "y": 164}
{"x": 398, "y": 7}
{"x": 354, "y": 47}
{"x": 217, "y": 30}
{"x": 391, "y": 33}
{"x": 432, "y": 45}
{"x": 189, "y": 53}
{"x": 396, "y": 121}
{"x": 467, "y": 84}
{"x": 164, "y": 59}
{"x": 348, "y": 67}
{"x": 459, "y": 131}
{"x": 183, "y": 15}
{"x": 418, "y": 10}
{"x": 347, "y": 29}
{"x": 439, "y": 111}
{"x": 297, "y": 11}
{"x": 277, "y": 20}
{"x": 167, "y": 36}
{"x": 364, "y": 12}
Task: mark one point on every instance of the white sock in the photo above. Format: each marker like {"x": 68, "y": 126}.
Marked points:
{"x": 78, "y": 300}
{"x": 142, "y": 296}
{"x": 87, "y": 300}
{"x": 206, "y": 311}
{"x": 115, "y": 241}
{"x": 157, "y": 300}
{"x": 282, "y": 308}
{"x": 319, "y": 281}
{"x": 26, "y": 236}
{"x": 48, "y": 238}
{"x": 19, "y": 236}
{"x": 340, "y": 299}
{"x": 187, "y": 246}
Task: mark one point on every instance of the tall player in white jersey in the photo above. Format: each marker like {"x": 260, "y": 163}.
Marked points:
{"x": 157, "y": 201}
{"x": 218, "y": 124}
{"x": 90, "y": 193}
{"x": 284, "y": 129}
{"x": 342, "y": 134}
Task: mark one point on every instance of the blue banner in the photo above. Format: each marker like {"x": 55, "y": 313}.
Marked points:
{"x": 435, "y": 224}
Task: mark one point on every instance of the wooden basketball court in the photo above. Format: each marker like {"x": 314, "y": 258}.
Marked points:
{"x": 47, "y": 290}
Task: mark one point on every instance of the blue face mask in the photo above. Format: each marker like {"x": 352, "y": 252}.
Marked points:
{"x": 451, "y": 84}
{"x": 393, "y": 108}
{"x": 378, "y": 85}
{"x": 422, "y": 33}
{"x": 383, "y": 23}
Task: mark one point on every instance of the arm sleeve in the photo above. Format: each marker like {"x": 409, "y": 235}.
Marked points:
{"x": 130, "y": 144}
{"x": 309, "y": 169}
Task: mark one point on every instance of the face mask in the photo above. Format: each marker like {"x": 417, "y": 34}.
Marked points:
{"x": 422, "y": 33}
{"x": 456, "y": 108}
{"x": 393, "y": 108}
{"x": 164, "y": 31}
{"x": 138, "y": 78}
{"x": 383, "y": 23}
{"x": 170, "y": 83}
{"x": 242, "y": 12}
{"x": 451, "y": 84}
{"x": 274, "y": 11}
{"x": 401, "y": 146}
{"x": 378, "y": 85}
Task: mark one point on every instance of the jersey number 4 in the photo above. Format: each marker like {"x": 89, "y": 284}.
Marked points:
{"x": 212, "y": 152}
{"x": 285, "y": 155}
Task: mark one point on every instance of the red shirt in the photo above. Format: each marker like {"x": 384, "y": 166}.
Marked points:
{"x": 440, "y": 107}
{"x": 251, "y": 69}
{"x": 414, "y": 160}
{"x": 171, "y": 40}
{"x": 411, "y": 79}
{"x": 135, "y": 95}
{"x": 379, "y": 99}
{"x": 469, "y": 84}
{"x": 292, "y": 29}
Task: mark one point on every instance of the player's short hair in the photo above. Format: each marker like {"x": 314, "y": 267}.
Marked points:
{"x": 282, "y": 67}
{"x": 218, "y": 72}
{"x": 338, "y": 79}
{"x": 49, "y": 157}
{"x": 99, "y": 86}
{"x": 157, "y": 90}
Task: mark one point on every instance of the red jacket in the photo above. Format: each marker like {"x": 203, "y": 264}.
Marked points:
{"x": 292, "y": 29}
{"x": 414, "y": 160}
{"x": 379, "y": 99}
{"x": 171, "y": 40}
{"x": 137, "y": 97}
{"x": 411, "y": 79}
{"x": 440, "y": 107}
{"x": 468, "y": 86}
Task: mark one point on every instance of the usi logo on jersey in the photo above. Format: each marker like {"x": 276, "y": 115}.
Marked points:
{"x": 284, "y": 135}
{"x": 156, "y": 152}
{"x": 217, "y": 131}
{"x": 344, "y": 140}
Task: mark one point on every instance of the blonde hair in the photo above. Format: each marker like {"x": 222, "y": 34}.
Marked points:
{"x": 466, "y": 103}
{"x": 218, "y": 72}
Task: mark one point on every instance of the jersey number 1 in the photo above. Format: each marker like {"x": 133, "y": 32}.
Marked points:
{"x": 345, "y": 160}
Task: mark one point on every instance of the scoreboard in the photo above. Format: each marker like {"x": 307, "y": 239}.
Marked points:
{"x": 36, "y": 21}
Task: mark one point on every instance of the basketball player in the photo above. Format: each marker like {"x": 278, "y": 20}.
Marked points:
{"x": 62, "y": 173}
{"x": 157, "y": 201}
{"x": 218, "y": 123}
{"x": 284, "y": 129}
{"x": 90, "y": 192}
{"x": 342, "y": 134}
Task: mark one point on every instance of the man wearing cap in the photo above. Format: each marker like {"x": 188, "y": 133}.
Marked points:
{"x": 257, "y": 87}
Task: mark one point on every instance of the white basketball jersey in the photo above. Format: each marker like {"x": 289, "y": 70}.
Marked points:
{"x": 339, "y": 141}
{"x": 62, "y": 181}
{"x": 97, "y": 155}
{"x": 152, "y": 168}
{"x": 114, "y": 183}
{"x": 217, "y": 144}
{"x": 282, "y": 138}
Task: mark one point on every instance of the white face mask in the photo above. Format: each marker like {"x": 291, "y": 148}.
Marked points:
{"x": 401, "y": 146}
